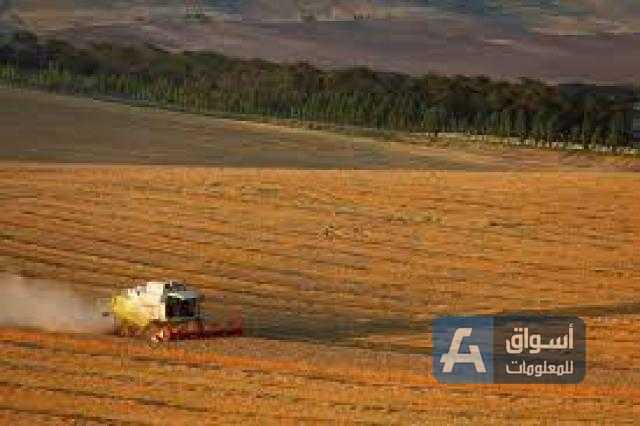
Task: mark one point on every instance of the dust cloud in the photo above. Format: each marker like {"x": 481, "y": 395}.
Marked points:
{"x": 48, "y": 305}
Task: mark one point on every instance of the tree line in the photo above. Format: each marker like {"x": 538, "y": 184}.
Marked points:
{"x": 204, "y": 81}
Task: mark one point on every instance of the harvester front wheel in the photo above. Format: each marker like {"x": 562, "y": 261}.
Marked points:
{"x": 165, "y": 333}
{"x": 158, "y": 333}
{"x": 152, "y": 333}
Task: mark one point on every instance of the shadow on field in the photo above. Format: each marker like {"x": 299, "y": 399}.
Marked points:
{"x": 344, "y": 330}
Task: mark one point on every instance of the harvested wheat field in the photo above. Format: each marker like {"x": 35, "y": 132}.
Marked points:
{"x": 339, "y": 275}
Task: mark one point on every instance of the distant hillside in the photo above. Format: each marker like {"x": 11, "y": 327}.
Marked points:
{"x": 541, "y": 16}
{"x": 554, "y": 40}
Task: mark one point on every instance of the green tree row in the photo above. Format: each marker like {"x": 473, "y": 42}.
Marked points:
{"x": 528, "y": 109}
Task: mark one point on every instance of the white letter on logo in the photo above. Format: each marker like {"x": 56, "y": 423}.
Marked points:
{"x": 450, "y": 359}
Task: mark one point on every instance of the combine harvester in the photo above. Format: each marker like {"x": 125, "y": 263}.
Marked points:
{"x": 164, "y": 311}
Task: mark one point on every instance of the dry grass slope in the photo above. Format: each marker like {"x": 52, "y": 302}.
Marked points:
{"x": 41, "y": 127}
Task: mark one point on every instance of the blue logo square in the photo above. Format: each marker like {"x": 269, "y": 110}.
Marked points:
{"x": 463, "y": 349}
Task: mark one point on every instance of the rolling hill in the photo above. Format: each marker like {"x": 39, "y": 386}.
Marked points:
{"x": 543, "y": 16}
{"x": 554, "y": 40}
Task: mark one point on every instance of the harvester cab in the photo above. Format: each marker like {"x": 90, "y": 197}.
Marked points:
{"x": 180, "y": 303}
{"x": 164, "y": 310}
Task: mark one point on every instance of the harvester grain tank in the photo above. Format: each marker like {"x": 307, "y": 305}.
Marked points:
{"x": 165, "y": 310}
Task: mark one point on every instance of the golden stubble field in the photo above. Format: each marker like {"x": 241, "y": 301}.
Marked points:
{"x": 339, "y": 275}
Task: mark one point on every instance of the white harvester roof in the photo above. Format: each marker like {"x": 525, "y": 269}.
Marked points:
{"x": 163, "y": 289}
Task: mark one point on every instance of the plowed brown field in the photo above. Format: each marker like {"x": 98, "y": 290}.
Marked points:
{"x": 339, "y": 275}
